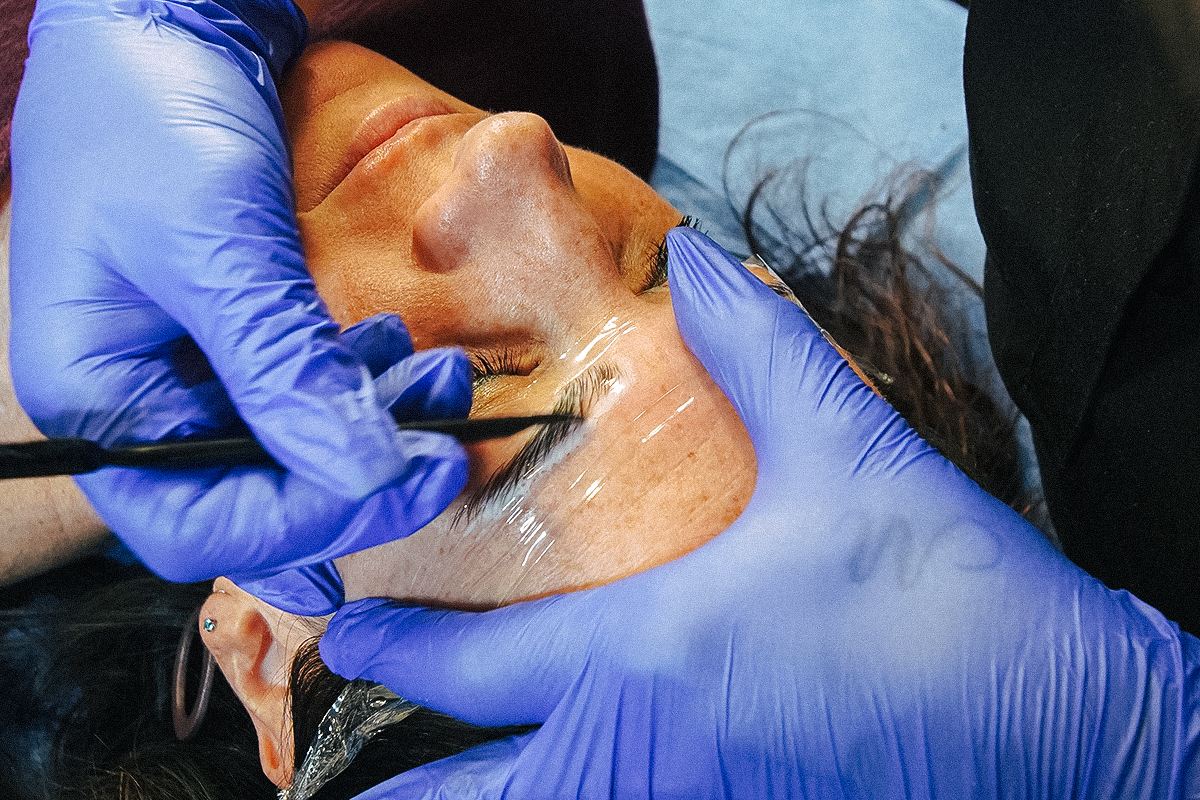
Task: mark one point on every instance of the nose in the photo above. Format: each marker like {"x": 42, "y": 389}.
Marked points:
{"x": 509, "y": 221}
{"x": 509, "y": 172}
{"x": 505, "y": 150}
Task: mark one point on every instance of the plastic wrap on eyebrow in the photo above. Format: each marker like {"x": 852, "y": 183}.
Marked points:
{"x": 543, "y": 522}
{"x": 362, "y": 710}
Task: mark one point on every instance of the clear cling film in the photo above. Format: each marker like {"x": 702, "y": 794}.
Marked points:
{"x": 658, "y": 464}
{"x": 361, "y": 711}
{"x": 611, "y": 331}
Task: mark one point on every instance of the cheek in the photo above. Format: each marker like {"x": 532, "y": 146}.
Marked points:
{"x": 360, "y": 261}
{"x": 360, "y": 270}
{"x": 656, "y": 476}
{"x": 659, "y": 484}
{"x": 358, "y": 241}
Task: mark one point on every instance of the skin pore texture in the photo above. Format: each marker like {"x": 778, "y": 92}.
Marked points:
{"x": 482, "y": 231}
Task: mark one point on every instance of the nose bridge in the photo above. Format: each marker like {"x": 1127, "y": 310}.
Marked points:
{"x": 508, "y": 228}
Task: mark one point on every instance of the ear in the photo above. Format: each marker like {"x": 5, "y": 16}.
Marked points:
{"x": 253, "y": 644}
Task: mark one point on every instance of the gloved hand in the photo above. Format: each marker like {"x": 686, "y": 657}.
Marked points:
{"x": 873, "y": 625}
{"x": 431, "y": 384}
{"x": 155, "y": 250}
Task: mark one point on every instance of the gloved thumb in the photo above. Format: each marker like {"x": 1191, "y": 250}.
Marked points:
{"x": 380, "y": 340}
{"x": 480, "y": 773}
{"x": 764, "y": 352}
{"x": 309, "y": 591}
{"x": 509, "y": 666}
{"x": 431, "y": 384}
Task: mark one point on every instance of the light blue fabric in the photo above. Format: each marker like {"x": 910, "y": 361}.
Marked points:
{"x": 857, "y": 89}
{"x": 872, "y": 84}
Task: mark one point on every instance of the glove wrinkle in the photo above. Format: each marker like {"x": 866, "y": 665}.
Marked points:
{"x": 872, "y": 625}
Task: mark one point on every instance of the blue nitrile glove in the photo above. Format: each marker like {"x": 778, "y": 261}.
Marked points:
{"x": 873, "y": 625}
{"x": 153, "y": 213}
{"x": 431, "y": 384}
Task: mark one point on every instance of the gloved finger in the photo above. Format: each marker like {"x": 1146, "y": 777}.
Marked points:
{"x": 509, "y": 666}
{"x": 767, "y": 356}
{"x": 310, "y": 591}
{"x": 477, "y": 774}
{"x": 269, "y": 520}
{"x": 235, "y": 279}
{"x": 380, "y": 341}
{"x": 431, "y": 384}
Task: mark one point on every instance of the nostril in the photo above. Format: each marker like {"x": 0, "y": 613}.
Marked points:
{"x": 564, "y": 164}
{"x": 443, "y": 230}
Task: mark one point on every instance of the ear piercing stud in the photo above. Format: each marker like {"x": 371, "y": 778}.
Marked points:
{"x": 210, "y": 625}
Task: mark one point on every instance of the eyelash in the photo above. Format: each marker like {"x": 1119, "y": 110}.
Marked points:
{"x": 491, "y": 365}
{"x": 658, "y": 269}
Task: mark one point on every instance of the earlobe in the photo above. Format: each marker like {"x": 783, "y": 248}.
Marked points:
{"x": 256, "y": 662}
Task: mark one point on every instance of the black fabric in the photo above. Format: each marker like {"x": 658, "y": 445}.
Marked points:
{"x": 1085, "y": 131}
{"x": 586, "y": 67}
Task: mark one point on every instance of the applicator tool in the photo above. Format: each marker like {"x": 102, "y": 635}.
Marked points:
{"x": 77, "y": 456}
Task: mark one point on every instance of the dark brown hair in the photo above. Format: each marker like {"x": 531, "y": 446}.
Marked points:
{"x": 903, "y": 324}
{"x": 87, "y": 668}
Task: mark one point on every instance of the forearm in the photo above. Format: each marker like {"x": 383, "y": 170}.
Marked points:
{"x": 44, "y": 522}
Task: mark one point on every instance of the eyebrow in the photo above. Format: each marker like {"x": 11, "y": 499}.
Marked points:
{"x": 576, "y": 399}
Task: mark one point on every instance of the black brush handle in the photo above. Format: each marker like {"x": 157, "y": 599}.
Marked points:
{"x": 246, "y": 451}
{"x": 192, "y": 454}
{"x": 478, "y": 429}
{"x": 52, "y": 457}
{"x": 77, "y": 456}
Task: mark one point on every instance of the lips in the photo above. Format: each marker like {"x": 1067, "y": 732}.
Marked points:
{"x": 381, "y": 125}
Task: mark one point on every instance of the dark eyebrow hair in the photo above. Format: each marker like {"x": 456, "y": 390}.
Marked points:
{"x": 576, "y": 399}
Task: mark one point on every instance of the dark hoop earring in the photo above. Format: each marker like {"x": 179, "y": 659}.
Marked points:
{"x": 185, "y": 723}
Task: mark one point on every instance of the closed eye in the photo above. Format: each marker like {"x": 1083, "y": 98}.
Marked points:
{"x": 487, "y": 366}
{"x": 657, "y": 276}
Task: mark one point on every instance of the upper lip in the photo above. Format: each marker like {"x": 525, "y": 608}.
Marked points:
{"x": 381, "y": 125}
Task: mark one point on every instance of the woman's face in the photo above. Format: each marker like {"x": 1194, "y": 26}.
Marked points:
{"x": 482, "y": 231}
